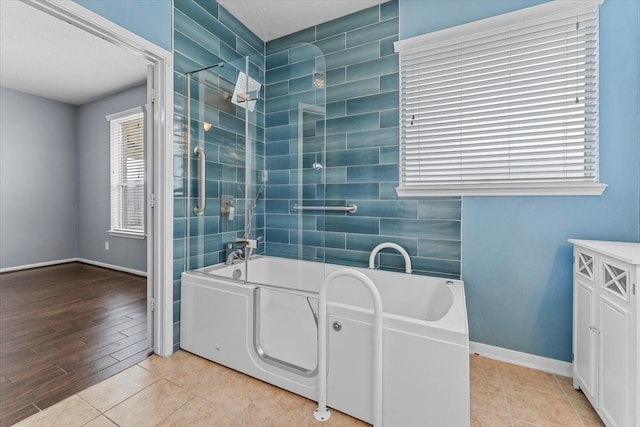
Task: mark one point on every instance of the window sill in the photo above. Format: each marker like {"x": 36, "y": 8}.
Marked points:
{"x": 128, "y": 234}
{"x": 556, "y": 189}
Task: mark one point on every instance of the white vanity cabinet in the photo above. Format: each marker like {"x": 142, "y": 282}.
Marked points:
{"x": 606, "y": 328}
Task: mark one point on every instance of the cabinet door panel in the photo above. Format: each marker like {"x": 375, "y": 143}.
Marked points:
{"x": 584, "y": 345}
{"x": 614, "y": 387}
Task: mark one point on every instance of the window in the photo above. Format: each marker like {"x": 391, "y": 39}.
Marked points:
{"x": 503, "y": 106}
{"x": 127, "y": 172}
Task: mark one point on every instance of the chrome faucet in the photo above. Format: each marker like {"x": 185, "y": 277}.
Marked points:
{"x": 237, "y": 254}
{"x": 403, "y": 252}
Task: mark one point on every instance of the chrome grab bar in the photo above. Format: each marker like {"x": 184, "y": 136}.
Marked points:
{"x": 199, "y": 209}
{"x": 352, "y": 208}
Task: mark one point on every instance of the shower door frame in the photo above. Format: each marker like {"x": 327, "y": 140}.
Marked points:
{"x": 160, "y": 202}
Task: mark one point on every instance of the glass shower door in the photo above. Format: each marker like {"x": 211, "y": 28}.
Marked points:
{"x": 218, "y": 146}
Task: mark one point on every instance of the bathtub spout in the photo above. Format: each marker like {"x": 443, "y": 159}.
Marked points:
{"x": 403, "y": 252}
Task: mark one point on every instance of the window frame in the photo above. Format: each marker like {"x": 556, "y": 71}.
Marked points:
{"x": 452, "y": 36}
{"x": 135, "y": 113}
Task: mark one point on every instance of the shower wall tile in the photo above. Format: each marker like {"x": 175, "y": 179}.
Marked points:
{"x": 386, "y": 46}
{"x": 240, "y": 30}
{"x": 372, "y": 32}
{"x": 361, "y": 150}
{"x": 375, "y": 67}
{"x": 359, "y": 242}
{"x": 352, "y": 55}
{"x": 350, "y": 22}
{"x": 426, "y": 229}
{"x": 388, "y": 10}
{"x": 332, "y": 44}
{"x": 308, "y": 35}
{"x": 205, "y": 34}
{"x": 352, "y": 225}
{"x": 371, "y": 103}
{"x": 373, "y": 138}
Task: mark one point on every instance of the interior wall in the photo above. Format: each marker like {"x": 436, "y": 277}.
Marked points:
{"x": 517, "y": 263}
{"x": 94, "y": 188}
{"x": 38, "y": 170}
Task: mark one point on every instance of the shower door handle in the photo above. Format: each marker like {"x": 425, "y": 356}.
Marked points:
{"x": 202, "y": 203}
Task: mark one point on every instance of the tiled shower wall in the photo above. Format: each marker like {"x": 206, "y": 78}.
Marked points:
{"x": 361, "y": 163}
{"x": 206, "y": 34}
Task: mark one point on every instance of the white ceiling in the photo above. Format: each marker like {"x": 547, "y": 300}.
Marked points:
{"x": 270, "y": 19}
{"x": 44, "y": 56}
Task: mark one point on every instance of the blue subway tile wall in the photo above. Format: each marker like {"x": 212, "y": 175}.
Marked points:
{"x": 205, "y": 34}
{"x": 360, "y": 135}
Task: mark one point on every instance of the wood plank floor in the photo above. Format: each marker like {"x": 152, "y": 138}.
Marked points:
{"x": 64, "y": 328}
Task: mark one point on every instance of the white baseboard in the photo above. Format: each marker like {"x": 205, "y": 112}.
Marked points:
{"x": 112, "y": 267}
{"x": 545, "y": 364}
{"x": 37, "y": 265}
{"x": 68, "y": 260}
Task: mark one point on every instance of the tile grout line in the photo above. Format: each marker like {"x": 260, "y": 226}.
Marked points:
{"x": 504, "y": 394}
{"x": 566, "y": 396}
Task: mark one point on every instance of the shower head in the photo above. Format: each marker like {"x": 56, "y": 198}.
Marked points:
{"x": 245, "y": 93}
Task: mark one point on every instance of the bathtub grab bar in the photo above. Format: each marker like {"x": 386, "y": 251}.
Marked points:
{"x": 321, "y": 413}
{"x": 352, "y": 208}
{"x": 397, "y": 247}
{"x": 199, "y": 209}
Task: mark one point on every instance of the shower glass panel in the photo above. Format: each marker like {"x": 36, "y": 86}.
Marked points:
{"x": 224, "y": 107}
{"x": 257, "y": 171}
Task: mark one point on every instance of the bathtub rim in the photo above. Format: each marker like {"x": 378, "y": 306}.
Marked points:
{"x": 455, "y": 320}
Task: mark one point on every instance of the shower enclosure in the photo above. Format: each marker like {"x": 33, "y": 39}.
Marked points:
{"x": 251, "y": 186}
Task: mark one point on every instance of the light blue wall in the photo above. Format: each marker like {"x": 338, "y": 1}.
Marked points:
{"x": 94, "y": 194}
{"x": 38, "y": 170}
{"x": 150, "y": 19}
{"x": 517, "y": 263}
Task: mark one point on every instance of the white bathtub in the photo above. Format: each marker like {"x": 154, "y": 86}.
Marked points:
{"x": 266, "y": 328}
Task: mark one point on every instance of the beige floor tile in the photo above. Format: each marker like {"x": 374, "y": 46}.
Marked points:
{"x": 150, "y": 406}
{"x": 566, "y": 384}
{"x": 71, "y": 412}
{"x": 586, "y": 412}
{"x": 199, "y": 413}
{"x": 483, "y": 366}
{"x": 107, "y": 394}
{"x": 101, "y": 421}
{"x": 543, "y": 409}
{"x": 487, "y": 394}
{"x": 184, "y": 389}
{"x": 520, "y": 423}
{"x": 179, "y": 362}
{"x": 264, "y": 414}
{"x": 518, "y": 378}
{"x": 338, "y": 419}
{"x": 480, "y": 418}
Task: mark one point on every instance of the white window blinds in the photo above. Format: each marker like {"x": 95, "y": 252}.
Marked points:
{"x": 506, "y": 105}
{"x": 127, "y": 172}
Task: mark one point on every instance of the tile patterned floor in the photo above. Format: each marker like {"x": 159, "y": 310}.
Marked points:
{"x": 177, "y": 391}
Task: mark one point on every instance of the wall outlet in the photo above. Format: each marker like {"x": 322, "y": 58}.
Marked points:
{"x": 106, "y": 245}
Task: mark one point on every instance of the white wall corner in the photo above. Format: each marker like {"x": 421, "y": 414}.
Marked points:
{"x": 552, "y": 366}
